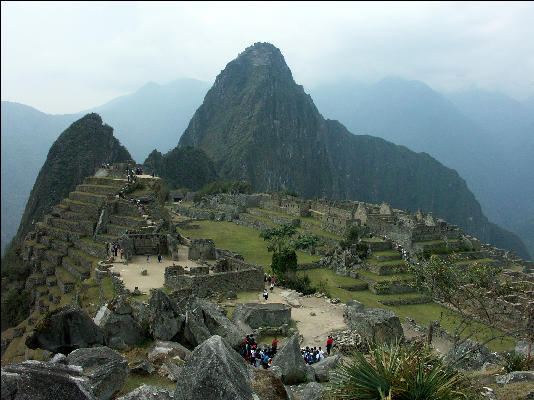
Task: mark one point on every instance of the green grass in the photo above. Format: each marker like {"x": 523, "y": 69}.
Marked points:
{"x": 387, "y": 253}
{"x": 373, "y": 240}
{"x": 430, "y": 242}
{"x": 422, "y": 313}
{"x": 239, "y": 239}
{"x": 107, "y": 288}
{"x": 384, "y": 278}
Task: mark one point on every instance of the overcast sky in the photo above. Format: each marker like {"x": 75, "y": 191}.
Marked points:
{"x": 66, "y": 57}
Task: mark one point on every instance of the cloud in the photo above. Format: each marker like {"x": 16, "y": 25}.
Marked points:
{"x": 65, "y": 57}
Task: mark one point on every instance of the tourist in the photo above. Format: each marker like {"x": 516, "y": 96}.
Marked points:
{"x": 265, "y": 294}
{"x": 269, "y": 279}
{"x": 265, "y": 361}
{"x": 272, "y": 287}
{"x": 274, "y": 345}
{"x": 147, "y": 258}
{"x": 321, "y": 354}
{"x": 159, "y": 257}
{"x": 122, "y": 253}
{"x": 329, "y": 343}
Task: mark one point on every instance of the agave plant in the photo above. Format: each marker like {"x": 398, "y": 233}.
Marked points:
{"x": 395, "y": 372}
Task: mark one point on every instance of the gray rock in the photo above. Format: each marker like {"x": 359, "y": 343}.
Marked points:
{"x": 44, "y": 381}
{"x": 521, "y": 347}
{"x": 165, "y": 322}
{"x": 205, "y": 318}
{"x": 146, "y": 392}
{"x": 312, "y": 391}
{"x": 267, "y": 386}
{"x": 120, "y": 305}
{"x": 516, "y": 376}
{"x": 291, "y": 362}
{"x": 322, "y": 368}
{"x": 231, "y": 295}
{"x": 487, "y": 393}
{"x": 262, "y": 314}
{"x": 121, "y": 328}
{"x": 141, "y": 367}
{"x": 374, "y": 324}
{"x": 170, "y": 371}
{"x": 106, "y": 369}
{"x": 161, "y": 351}
{"x": 215, "y": 371}
{"x": 59, "y": 359}
{"x": 64, "y": 330}
{"x": 471, "y": 355}
{"x": 355, "y": 305}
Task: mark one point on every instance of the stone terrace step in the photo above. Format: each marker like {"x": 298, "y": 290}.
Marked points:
{"x": 59, "y": 208}
{"x": 77, "y": 216}
{"x": 125, "y": 220}
{"x": 97, "y": 189}
{"x": 79, "y": 272}
{"x": 91, "y": 247}
{"x": 116, "y": 229}
{"x": 377, "y": 244}
{"x": 47, "y": 268}
{"x": 59, "y": 233}
{"x": 82, "y": 258}
{"x": 51, "y": 281}
{"x": 65, "y": 280}
{"x": 85, "y": 197}
{"x": 105, "y": 238}
{"x": 387, "y": 268}
{"x": 84, "y": 227}
{"x": 46, "y": 240}
{"x": 82, "y": 207}
{"x": 53, "y": 256}
{"x": 60, "y": 246}
{"x": 95, "y": 180}
{"x": 386, "y": 256}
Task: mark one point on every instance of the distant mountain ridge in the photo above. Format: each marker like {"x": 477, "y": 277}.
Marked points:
{"x": 497, "y": 164}
{"x": 258, "y": 125}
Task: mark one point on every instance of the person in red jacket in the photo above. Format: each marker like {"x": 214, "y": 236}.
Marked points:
{"x": 329, "y": 343}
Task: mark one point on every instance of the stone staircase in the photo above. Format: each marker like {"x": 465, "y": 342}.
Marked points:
{"x": 63, "y": 247}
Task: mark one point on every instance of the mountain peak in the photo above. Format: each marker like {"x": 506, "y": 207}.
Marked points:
{"x": 261, "y": 53}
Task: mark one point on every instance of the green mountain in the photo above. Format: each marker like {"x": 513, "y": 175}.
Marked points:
{"x": 183, "y": 167}
{"x": 258, "y": 125}
{"x": 76, "y": 154}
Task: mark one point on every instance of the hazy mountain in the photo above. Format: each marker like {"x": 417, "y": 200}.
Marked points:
{"x": 496, "y": 166}
{"x": 27, "y": 135}
{"x": 258, "y": 125}
{"x": 76, "y": 154}
{"x": 154, "y": 116}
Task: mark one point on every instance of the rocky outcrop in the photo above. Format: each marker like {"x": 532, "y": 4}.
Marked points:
{"x": 311, "y": 391}
{"x": 43, "y": 381}
{"x": 471, "y": 355}
{"x": 291, "y": 363}
{"x": 374, "y": 325}
{"x": 141, "y": 367}
{"x": 161, "y": 351}
{"x": 64, "y": 330}
{"x": 260, "y": 314}
{"x": 323, "y": 368}
{"x": 106, "y": 369}
{"x": 121, "y": 328}
{"x": 516, "y": 376}
{"x": 215, "y": 371}
{"x": 146, "y": 392}
{"x": 267, "y": 386}
{"x": 165, "y": 321}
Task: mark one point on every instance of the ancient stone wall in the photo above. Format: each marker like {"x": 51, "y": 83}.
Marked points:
{"x": 202, "y": 249}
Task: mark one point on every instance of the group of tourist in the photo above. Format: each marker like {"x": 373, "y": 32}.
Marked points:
{"x": 258, "y": 356}
{"x": 312, "y": 355}
{"x": 114, "y": 249}
{"x": 270, "y": 280}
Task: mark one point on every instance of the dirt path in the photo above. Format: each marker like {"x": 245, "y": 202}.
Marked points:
{"x": 314, "y": 328}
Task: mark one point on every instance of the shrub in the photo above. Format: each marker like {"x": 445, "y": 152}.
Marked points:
{"x": 394, "y": 372}
{"x": 516, "y": 362}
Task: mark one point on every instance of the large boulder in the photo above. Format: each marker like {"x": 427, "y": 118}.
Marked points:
{"x": 267, "y": 386}
{"x": 64, "y": 330}
{"x": 262, "y": 314}
{"x": 146, "y": 392}
{"x": 165, "y": 321}
{"x": 141, "y": 367}
{"x": 161, "y": 351}
{"x": 215, "y": 371}
{"x": 516, "y": 376}
{"x": 311, "y": 391}
{"x": 323, "y": 368}
{"x": 375, "y": 325}
{"x": 522, "y": 347}
{"x": 44, "y": 381}
{"x": 291, "y": 363}
{"x": 471, "y": 355}
{"x": 121, "y": 328}
{"x": 204, "y": 318}
{"x": 106, "y": 369}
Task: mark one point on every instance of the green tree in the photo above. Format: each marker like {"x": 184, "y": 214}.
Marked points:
{"x": 283, "y": 242}
{"x": 469, "y": 290}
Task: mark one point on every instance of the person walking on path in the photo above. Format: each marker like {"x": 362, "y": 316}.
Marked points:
{"x": 329, "y": 343}
{"x": 265, "y": 294}
{"x": 159, "y": 257}
{"x": 272, "y": 287}
{"x": 274, "y": 345}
